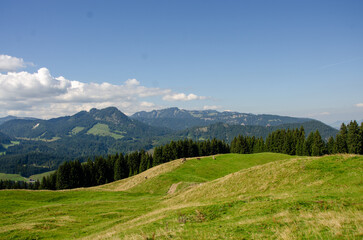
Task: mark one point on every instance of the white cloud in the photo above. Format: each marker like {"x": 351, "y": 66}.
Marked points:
{"x": 24, "y": 85}
{"x": 42, "y": 95}
{"x": 182, "y": 97}
{"x": 213, "y": 107}
{"x": 11, "y": 64}
{"x": 359, "y": 105}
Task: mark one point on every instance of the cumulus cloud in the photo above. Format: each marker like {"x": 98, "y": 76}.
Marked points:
{"x": 359, "y": 105}
{"x": 10, "y": 64}
{"x": 42, "y": 95}
{"x": 182, "y": 97}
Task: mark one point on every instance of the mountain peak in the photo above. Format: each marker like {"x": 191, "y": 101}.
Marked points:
{"x": 109, "y": 114}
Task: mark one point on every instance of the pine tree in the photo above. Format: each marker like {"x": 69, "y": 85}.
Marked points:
{"x": 318, "y": 145}
{"x": 119, "y": 169}
{"x": 158, "y": 156}
{"x": 63, "y": 174}
{"x": 143, "y": 162}
{"x": 331, "y": 146}
{"x": 308, "y": 144}
{"x": 341, "y": 140}
{"x": 353, "y": 138}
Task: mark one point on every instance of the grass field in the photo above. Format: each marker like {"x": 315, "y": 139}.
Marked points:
{"x": 268, "y": 196}
{"x": 12, "y": 177}
{"x": 41, "y": 175}
{"x": 76, "y": 130}
{"x": 18, "y": 177}
{"x": 6, "y": 146}
{"x": 103, "y": 130}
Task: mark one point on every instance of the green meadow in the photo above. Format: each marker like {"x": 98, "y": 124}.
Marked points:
{"x": 103, "y": 130}
{"x": 234, "y": 196}
{"x": 18, "y": 177}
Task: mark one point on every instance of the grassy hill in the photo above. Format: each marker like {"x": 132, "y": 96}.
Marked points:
{"x": 231, "y": 197}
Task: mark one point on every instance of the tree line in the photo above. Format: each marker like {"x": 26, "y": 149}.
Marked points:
{"x": 293, "y": 142}
{"x": 73, "y": 174}
{"x": 102, "y": 170}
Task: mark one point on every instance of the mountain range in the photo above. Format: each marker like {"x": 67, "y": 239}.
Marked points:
{"x": 338, "y": 124}
{"x": 33, "y": 145}
{"x": 180, "y": 119}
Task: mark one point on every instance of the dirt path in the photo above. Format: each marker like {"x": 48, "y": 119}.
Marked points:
{"x": 173, "y": 187}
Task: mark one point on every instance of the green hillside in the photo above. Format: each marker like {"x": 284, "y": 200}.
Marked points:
{"x": 270, "y": 196}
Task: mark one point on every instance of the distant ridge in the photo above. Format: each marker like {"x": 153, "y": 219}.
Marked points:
{"x": 227, "y": 132}
{"x": 338, "y": 124}
{"x": 180, "y": 119}
{"x": 8, "y": 118}
{"x": 35, "y": 146}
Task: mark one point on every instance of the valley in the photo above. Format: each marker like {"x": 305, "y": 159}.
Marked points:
{"x": 45, "y": 144}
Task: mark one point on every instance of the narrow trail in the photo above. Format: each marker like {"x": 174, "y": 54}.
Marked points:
{"x": 173, "y": 187}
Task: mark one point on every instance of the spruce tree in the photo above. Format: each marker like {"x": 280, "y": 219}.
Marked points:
{"x": 318, "y": 145}
{"x": 353, "y": 138}
{"x": 331, "y": 146}
{"x": 119, "y": 168}
{"x": 158, "y": 156}
{"x": 308, "y": 144}
{"x": 341, "y": 140}
{"x": 143, "y": 162}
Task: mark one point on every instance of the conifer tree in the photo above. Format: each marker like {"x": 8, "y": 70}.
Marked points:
{"x": 158, "y": 156}
{"x": 331, "y": 146}
{"x": 308, "y": 144}
{"x": 63, "y": 174}
{"x": 318, "y": 145}
{"x": 341, "y": 140}
{"x": 353, "y": 138}
{"x": 300, "y": 141}
{"x": 120, "y": 169}
{"x": 144, "y": 162}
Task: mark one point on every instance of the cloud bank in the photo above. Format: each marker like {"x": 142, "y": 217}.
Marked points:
{"x": 182, "y": 97}
{"x": 10, "y": 64}
{"x": 359, "y": 105}
{"x": 42, "y": 95}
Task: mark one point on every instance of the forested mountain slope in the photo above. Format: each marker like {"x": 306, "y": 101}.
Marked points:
{"x": 180, "y": 119}
{"x": 227, "y": 132}
{"x": 44, "y": 144}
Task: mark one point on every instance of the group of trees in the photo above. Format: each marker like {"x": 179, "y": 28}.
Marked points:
{"x": 118, "y": 166}
{"x": 10, "y": 184}
{"x": 72, "y": 174}
{"x": 102, "y": 170}
{"x": 188, "y": 148}
{"x": 348, "y": 140}
{"x": 293, "y": 142}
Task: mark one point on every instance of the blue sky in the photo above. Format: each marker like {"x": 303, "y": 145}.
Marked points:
{"x": 296, "y": 58}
